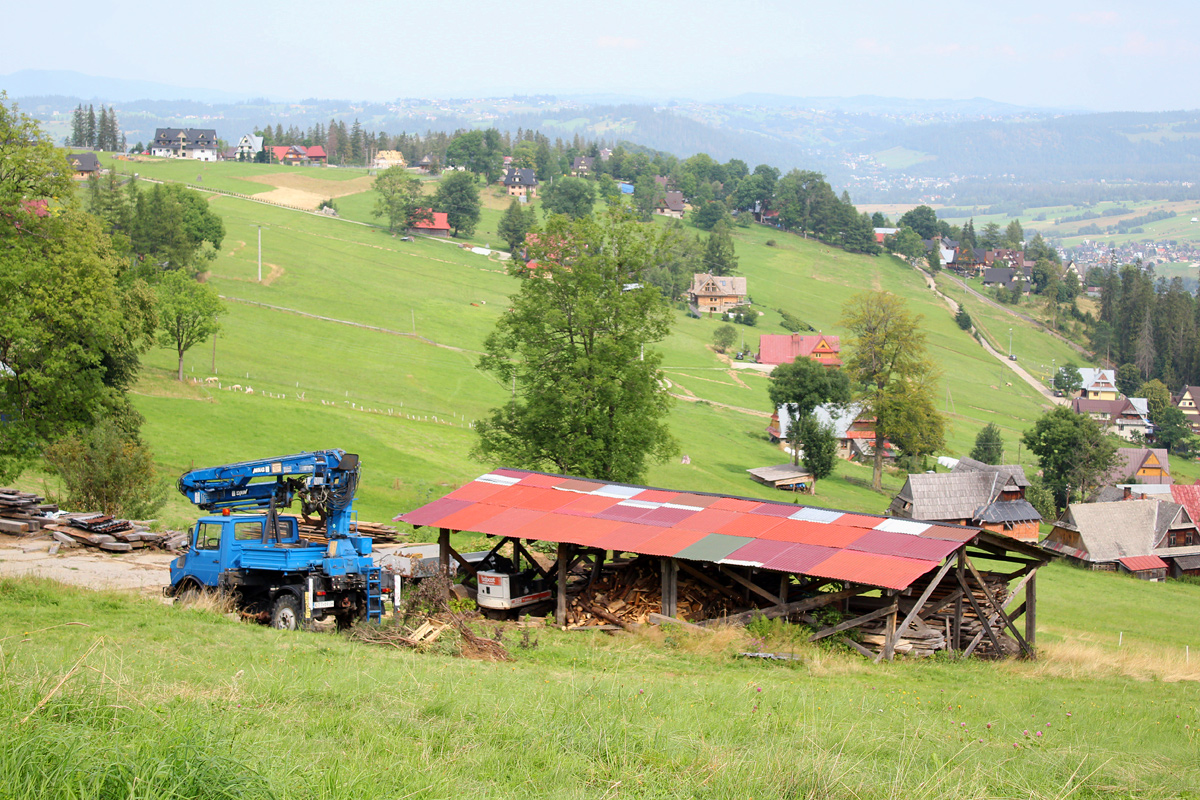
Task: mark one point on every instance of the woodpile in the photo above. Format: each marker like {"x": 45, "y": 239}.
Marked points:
{"x": 105, "y": 533}
{"x": 22, "y": 512}
{"x": 931, "y": 633}
{"x": 313, "y": 530}
{"x": 628, "y": 592}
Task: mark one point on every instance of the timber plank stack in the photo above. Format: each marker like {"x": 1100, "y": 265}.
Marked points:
{"x": 29, "y": 515}
{"x": 314, "y": 531}
{"x": 627, "y": 593}
{"x": 22, "y": 512}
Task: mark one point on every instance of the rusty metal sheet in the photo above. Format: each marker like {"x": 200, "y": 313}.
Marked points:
{"x": 889, "y": 543}
{"x": 891, "y": 572}
{"x": 805, "y": 532}
{"x": 959, "y": 535}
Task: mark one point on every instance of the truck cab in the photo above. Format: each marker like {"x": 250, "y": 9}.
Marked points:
{"x": 219, "y": 543}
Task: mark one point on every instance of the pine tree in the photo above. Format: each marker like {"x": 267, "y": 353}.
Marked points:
{"x": 90, "y": 130}
{"x": 719, "y": 255}
{"x": 356, "y": 143}
{"x": 78, "y": 127}
{"x": 102, "y": 130}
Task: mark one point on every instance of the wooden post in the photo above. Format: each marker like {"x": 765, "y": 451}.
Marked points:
{"x": 670, "y": 586}
{"x": 1031, "y": 612}
{"x": 785, "y": 581}
{"x": 444, "y": 556}
{"x": 956, "y": 631}
{"x": 560, "y": 610}
{"x": 889, "y": 642}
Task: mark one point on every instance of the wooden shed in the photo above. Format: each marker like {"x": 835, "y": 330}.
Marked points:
{"x": 1147, "y": 568}
{"x": 784, "y": 476}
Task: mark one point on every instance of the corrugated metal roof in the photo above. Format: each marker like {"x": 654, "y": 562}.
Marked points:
{"x": 784, "y": 537}
{"x": 1139, "y": 563}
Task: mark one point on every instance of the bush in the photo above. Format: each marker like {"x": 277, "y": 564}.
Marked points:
{"x": 108, "y": 470}
{"x": 742, "y": 315}
{"x": 963, "y": 318}
{"x": 326, "y": 204}
{"x": 793, "y": 323}
{"x": 770, "y": 242}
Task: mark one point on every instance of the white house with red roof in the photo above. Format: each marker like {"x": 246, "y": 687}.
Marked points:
{"x": 779, "y": 349}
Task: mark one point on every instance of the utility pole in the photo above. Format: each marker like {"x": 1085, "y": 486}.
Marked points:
{"x": 214, "y": 360}
{"x": 1010, "y": 343}
{"x": 260, "y": 253}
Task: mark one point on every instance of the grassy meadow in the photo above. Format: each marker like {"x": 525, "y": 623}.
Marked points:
{"x": 184, "y": 702}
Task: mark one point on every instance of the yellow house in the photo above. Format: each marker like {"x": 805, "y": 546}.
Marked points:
{"x": 1143, "y": 464}
{"x": 1186, "y": 402}
{"x": 1099, "y": 384}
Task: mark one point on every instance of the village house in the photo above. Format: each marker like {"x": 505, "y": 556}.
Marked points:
{"x": 973, "y": 493}
{"x": 582, "y": 166}
{"x": 852, "y": 428}
{"x": 437, "y": 224}
{"x": 882, "y": 233}
{"x": 1128, "y": 535}
{"x": 248, "y": 147}
{"x": 716, "y": 294}
{"x": 1005, "y": 276}
{"x": 85, "y": 165}
{"x": 1098, "y": 384}
{"x": 389, "y": 158}
{"x": 196, "y": 143}
{"x": 1141, "y": 464}
{"x": 785, "y": 348}
{"x": 426, "y": 164}
{"x": 1186, "y": 401}
{"x": 1125, "y": 416}
{"x": 315, "y": 154}
{"x": 671, "y": 205}
{"x": 520, "y": 182}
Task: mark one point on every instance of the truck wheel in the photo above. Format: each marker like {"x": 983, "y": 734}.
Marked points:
{"x": 285, "y": 614}
{"x": 188, "y": 590}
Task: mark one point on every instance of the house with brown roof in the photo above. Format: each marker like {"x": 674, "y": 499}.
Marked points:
{"x": 1120, "y": 535}
{"x": 785, "y": 348}
{"x": 974, "y": 493}
{"x": 670, "y": 205}
{"x": 1141, "y": 464}
{"x": 520, "y": 182}
{"x": 1188, "y": 401}
{"x": 1123, "y": 416}
{"x": 716, "y": 293}
{"x": 85, "y": 165}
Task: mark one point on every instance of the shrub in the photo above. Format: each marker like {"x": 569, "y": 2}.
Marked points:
{"x": 770, "y": 242}
{"x": 963, "y": 318}
{"x": 106, "y": 469}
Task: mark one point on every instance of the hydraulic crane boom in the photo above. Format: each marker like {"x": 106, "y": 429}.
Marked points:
{"x": 325, "y": 482}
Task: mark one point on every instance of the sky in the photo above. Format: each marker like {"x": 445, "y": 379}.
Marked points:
{"x": 1115, "y": 56}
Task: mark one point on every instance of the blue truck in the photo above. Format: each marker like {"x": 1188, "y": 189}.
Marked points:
{"x": 261, "y": 559}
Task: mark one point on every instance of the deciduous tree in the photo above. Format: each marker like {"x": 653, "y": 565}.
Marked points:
{"x": 921, "y": 219}
{"x": 1068, "y": 380}
{"x": 187, "y": 314}
{"x": 724, "y": 337}
{"x": 989, "y": 445}
{"x": 400, "y": 199}
{"x": 578, "y": 349}
{"x": 458, "y": 196}
{"x": 888, "y": 363}
{"x": 1073, "y": 452}
{"x": 574, "y": 197}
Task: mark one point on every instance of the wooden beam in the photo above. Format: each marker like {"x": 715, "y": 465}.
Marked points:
{"x": 517, "y": 546}
{"x": 790, "y": 608}
{"x": 700, "y": 576}
{"x": 856, "y": 646}
{"x": 749, "y": 584}
{"x": 953, "y": 597}
{"x": 659, "y": 619}
{"x": 560, "y": 606}
{"x": 983, "y": 618}
{"x": 1031, "y": 612}
{"x": 444, "y": 556}
{"x": 999, "y": 608}
{"x": 889, "y": 643}
{"x": 670, "y": 586}
{"x": 853, "y": 623}
{"x": 933, "y": 584}
{"x": 956, "y": 638}
{"x": 979, "y": 636}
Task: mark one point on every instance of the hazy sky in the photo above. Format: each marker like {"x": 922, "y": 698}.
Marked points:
{"x": 1105, "y": 56}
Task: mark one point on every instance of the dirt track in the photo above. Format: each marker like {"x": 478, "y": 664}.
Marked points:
{"x": 144, "y": 571}
{"x": 305, "y": 191}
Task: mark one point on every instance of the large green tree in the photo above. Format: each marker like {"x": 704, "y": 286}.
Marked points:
{"x": 72, "y": 325}
{"x": 1068, "y": 380}
{"x": 458, "y": 196}
{"x": 921, "y": 219}
{"x": 805, "y": 384}
{"x": 1073, "y": 452}
{"x": 577, "y": 348}
{"x": 400, "y": 199}
{"x": 989, "y": 445}
{"x": 819, "y": 445}
{"x": 574, "y": 197}
{"x": 720, "y": 257}
{"x": 895, "y": 378}
{"x": 187, "y": 314}
{"x": 515, "y": 223}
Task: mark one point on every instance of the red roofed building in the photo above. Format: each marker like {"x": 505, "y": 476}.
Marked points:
{"x": 316, "y": 154}
{"x": 279, "y": 152}
{"x": 437, "y": 225}
{"x": 784, "y": 349}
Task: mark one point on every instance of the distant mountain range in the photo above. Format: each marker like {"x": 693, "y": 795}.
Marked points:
{"x": 44, "y": 83}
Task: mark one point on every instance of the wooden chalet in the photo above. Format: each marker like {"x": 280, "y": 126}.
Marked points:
{"x": 1099, "y": 535}
{"x": 716, "y": 294}
{"x": 706, "y": 559}
{"x": 974, "y": 493}
{"x": 582, "y": 166}
{"x": 779, "y": 349}
{"x": 1141, "y": 464}
{"x": 437, "y": 224}
{"x": 1124, "y": 416}
{"x": 671, "y": 205}
{"x": 1186, "y": 401}
{"x": 85, "y": 165}
{"x": 853, "y": 429}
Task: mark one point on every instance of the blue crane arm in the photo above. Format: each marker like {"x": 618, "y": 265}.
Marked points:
{"x": 325, "y": 480}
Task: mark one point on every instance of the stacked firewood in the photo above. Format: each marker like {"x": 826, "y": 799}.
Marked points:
{"x": 313, "y": 530}
{"x": 927, "y": 636}
{"x": 628, "y": 592}
{"x": 22, "y": 512}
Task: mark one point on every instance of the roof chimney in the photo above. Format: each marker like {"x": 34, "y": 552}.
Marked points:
{"x": 1128, "y": 493}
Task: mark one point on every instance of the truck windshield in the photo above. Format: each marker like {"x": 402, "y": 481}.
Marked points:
{"x": 208, "y": 536}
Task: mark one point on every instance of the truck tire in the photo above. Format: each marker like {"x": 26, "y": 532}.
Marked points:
{"x": 285, "y": 614}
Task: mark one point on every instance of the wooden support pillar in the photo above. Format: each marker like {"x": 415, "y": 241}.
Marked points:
{"x": 785, "y": 581}
{"x": 560, "y": 609}
{"x": 444, "y": 556}
{"x": 889, "y": 642}
{"x": 670, "y": 586}
{"x": 956, "y": 626}
{"x": 1031, "y": 612}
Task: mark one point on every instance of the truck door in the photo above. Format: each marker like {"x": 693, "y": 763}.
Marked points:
{"x": 205, "y": 564}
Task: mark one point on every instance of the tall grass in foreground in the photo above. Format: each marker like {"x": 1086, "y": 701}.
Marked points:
{"x": 185, "y": 702}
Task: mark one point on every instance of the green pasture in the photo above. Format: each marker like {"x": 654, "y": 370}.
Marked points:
{"x": 183, "y": 702}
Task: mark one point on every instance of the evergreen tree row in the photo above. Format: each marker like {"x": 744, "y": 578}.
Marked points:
{"x": 96, "y": 133}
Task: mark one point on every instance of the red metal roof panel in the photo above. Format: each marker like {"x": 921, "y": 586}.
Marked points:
{"x": 892, "y": 572}
{"x": 670, "y": 542}
{"x": 624, "y": 513}
{"x": 775, "y": 509}
{"x": 434, "y": 512}
{"x": 753, "y": 525}
{"x": 735, "y": 504}
{"x": 508, "y": 520}
{"x": 800, "y": 558}
{"x": 586, "y": 505}
{"x": 629, "y": 536}
{"x": 580, "y": 485}
{"x": 657, "y": 496}
{"x": 512, "y": 473}
{"x": 805, "y": 532}
{"x": 859, "y": 520}
{"x": 469, "y": 518}
{"x": 666, "y": 517}
{"x": 533, "y": 497}
{"x": 959, "y": 535}
{"x": 475, "y": 491}
{"x": 697, "y": 500}
{"x": 574, "y": 530}
{"x": 708, "y": 520}
{"x": 544, "y": 481}
{"x": 758, "y": 552}
{"x": 903, "y": 544}
{"x": 1137, "y": 563}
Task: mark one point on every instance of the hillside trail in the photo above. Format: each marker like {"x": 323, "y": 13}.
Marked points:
{"x": 1013, "y": 365}
{"x": 1020, "y": 316}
